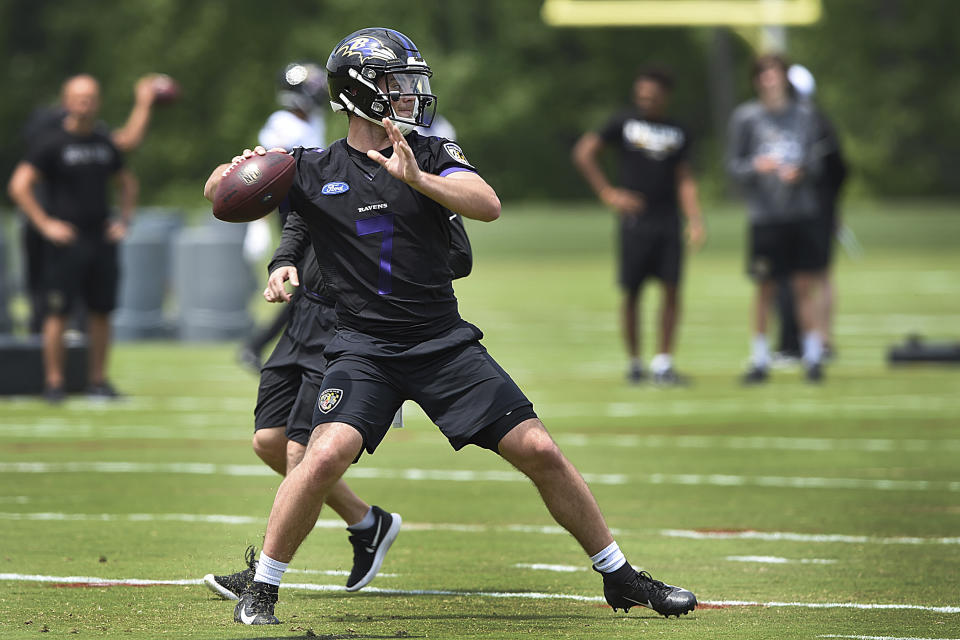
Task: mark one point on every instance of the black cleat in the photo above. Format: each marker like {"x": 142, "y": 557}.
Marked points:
{"x": 256, "y": 605}
{"x": 370, "y": 546}
{"x": 755, "y": 375}
{"x": 635, "y": 374}
{"x": 627, "y": 587}
{"x": 103, "y": 391}
{"x": 54, "y": 395}
{"x": 670, "y": 378}
{"x": 230, "y": 587}
{"x": 814, "y": 373}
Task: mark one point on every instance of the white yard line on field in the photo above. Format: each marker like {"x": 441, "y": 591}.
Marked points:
{"x": 779, "y": 560}
{"x": 756, "y": 443}
{"x": 787, "y": 536}
{"x": 57, "y": 428}
{"x": 453, "y": 475}
{"x": 559, "y": 568}
{"x": 881, "y": 637}
{"x": 97, "y": 581}
{"x": 323, "y": 523}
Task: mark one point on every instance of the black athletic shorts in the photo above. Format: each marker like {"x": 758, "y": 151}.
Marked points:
{"x": 291, "y": 377}
{"x": 785, "y": 248}
{"x": 88, "y": 268}
{"x": 650, "y": 245}
{"x": 452, "y": 377}
{"x": 828, "y": 228}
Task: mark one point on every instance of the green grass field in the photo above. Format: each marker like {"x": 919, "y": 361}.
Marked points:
{"x": 792, "y": 511}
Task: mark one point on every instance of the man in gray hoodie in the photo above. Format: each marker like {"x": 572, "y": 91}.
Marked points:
{"x": 775, "y": 153}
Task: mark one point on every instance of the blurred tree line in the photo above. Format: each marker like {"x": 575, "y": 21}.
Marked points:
{"x": 519, "y": 92}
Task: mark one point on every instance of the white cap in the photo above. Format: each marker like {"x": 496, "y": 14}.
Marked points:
{"x": 802, "y": 80}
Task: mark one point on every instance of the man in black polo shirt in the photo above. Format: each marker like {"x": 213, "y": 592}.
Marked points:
{"x": 77, "y": 163}
{"x": 656, "y": 181}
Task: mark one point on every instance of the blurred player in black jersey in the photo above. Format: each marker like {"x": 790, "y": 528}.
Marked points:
{"x": 377, "y": 205}
{"x": 656, "y": 181}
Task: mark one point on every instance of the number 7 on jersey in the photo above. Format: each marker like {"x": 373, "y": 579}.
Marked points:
{"x": 381, "y": 224}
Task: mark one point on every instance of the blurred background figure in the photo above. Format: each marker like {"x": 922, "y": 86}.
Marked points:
{"x": 78, "y": 252}
{"x": 302, "y": 96}
{"x": 776, "y": 154}
{"x": 127, "y": 138}
{"x": 656, "y": 182}
{"x": 439, "y": 128}
{"x": 829, "y": 185}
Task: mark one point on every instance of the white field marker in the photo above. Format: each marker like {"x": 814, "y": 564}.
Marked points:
{"x": 778, "y": 560}
{"x": 448, "y": 475}
{"x": 97, "y": 581}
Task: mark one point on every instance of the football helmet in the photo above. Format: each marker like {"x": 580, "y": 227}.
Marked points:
{"x": 301, "y": 86}
{"x": 378, "y": 73}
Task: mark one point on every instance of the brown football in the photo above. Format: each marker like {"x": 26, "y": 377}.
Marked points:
{"x": 165, "y": 89}
{"x": 254, "y": 187}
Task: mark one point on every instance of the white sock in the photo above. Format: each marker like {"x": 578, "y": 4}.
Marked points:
{"x": 635, "y": 363}
{"x": 269, "y": 570}
{"x": 661, "y": 363}
{"x": 812, "y": 348}
{"x": 368, "y": 521}
{"x": 760, "y": 351}
{"x": 610, "y": 559}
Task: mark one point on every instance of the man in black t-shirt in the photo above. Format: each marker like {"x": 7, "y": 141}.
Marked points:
{"x": 127, "y": 138}
{"x": 377, "y": 206}
{"x": 656, "y": 181}
{"x": 77, "y": 163}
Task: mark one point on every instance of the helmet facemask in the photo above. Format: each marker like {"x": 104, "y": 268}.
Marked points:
{"x": 400, "y": 92}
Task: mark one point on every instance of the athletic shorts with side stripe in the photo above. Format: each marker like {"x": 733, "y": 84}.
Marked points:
{"x": 452, "y": 377}
{"x": 291, "y": 377}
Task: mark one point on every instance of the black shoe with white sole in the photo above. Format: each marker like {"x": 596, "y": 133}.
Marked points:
{"x": 755, "y": 375}
{"x": 256, "y": 605}
{"x": 370, "y": 546}
{"x": 230, "y": 587}
{"x": 627, "y": 587}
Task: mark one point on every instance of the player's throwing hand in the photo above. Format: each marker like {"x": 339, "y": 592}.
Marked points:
{"x": 402, "y": 164}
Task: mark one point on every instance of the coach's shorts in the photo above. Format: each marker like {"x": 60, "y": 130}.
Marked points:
{"x": 452, "y": 377}
{"x": 650, "y": 247}
{"x": 828, "y": 230}
{"x": 785, "y": 248}
{"x": 88, "y": 269}
{"x": 291, "y": 377}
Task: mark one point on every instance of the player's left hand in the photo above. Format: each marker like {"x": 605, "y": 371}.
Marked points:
{"x": 696, "y": 235}
{"x": 402, "y": 164}
{"x": 275, "y": 291}
{"x": 790, "y": 174}
{"x": 116, "y": 231}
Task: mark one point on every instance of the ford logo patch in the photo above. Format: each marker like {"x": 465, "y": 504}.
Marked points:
{"x": 334, "y": 188}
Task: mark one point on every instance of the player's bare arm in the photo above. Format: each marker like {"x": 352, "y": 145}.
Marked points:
{"x": 585, "y": 154}
{"x": 131, "y": 135}
{"x": 463, "y": 192}
{"x": 128, "y": 189}
{"x": 20, "y": 188}
{"x": 690, "y": 204}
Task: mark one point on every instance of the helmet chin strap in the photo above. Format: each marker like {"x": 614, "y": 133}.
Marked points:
{"x": 404, "y": 127}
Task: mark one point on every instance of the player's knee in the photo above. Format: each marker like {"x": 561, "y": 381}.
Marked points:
{"x": 535, "y": 448}
{"x": 325, "y": 465}
{"x": 268, "y": 446}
